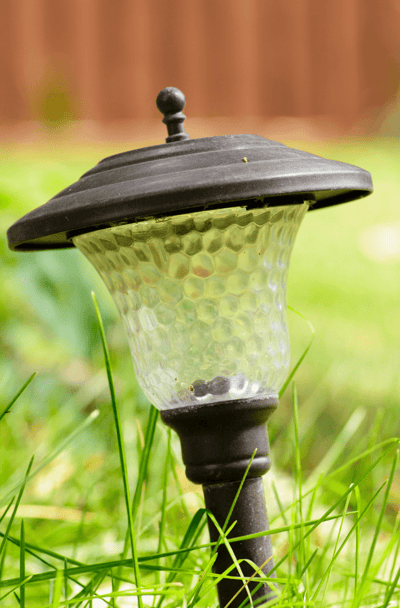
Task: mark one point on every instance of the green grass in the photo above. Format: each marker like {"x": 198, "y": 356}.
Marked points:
{"x": 133, "y": 529}
{"x": 329, "y": 547}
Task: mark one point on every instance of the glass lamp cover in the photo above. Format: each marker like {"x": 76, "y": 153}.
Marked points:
{"x": 203, "y": 299}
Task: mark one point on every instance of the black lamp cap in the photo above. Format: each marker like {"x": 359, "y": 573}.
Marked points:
{"x": 186, "y": 176}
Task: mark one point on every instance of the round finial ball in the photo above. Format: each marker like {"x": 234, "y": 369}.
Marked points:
{"x": 170, "y": 101}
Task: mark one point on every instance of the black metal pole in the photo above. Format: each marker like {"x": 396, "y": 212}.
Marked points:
{"x": 218, "y": 441}
{"x": 250, "y": 515}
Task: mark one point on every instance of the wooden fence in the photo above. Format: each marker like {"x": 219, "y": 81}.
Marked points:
{"x": 107, "y": 59}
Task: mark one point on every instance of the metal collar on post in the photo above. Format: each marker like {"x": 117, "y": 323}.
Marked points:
{"x": 219, "y": 440}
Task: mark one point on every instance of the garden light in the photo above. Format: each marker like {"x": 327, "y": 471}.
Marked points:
{"x": 193, "y": 240}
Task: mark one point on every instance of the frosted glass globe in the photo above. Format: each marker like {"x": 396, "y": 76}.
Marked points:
{"x": 203, "y": 299}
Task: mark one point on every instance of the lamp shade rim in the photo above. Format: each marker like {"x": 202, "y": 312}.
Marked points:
{"x": 184, "y": 177}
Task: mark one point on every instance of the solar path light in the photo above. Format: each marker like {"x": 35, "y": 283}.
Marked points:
{"x": 193, "y": 239}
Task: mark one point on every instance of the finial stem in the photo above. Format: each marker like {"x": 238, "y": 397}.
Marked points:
{"x": 171, "y": 101}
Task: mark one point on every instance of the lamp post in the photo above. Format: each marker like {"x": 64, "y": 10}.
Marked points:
{"x": 193, "y": 239}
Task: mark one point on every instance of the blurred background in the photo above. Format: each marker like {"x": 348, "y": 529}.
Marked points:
{"x": 79, "y": 79}
{"x": 96, "y": 64}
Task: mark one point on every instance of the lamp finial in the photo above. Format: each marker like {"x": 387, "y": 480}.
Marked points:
{"x": 171, "y": 101}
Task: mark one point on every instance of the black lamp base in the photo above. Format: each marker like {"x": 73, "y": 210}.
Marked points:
{"x": 218, "y": 441}
{"x": 250, "y": 515}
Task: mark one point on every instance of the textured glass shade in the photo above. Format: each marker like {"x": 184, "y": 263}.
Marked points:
{"x": 203, "y": 299}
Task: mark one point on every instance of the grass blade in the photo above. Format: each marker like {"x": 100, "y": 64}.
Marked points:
{"x": 10, "y": 522}
{"x": 299, "y": 479}
{"x": 145, "y": 457}
{"x": 364, "y": 577}
{"x": 336, "y": 551}
{"x": 307, "y": 564}
{"x": 13, "y": 400}
{"x": 143, "y": 468}
{"x": 392, "y": 589}
{"x": 327, "y": 479}
{"x": 164, "y": 494}
{"x": 164, "y": 502}
{"x": 187, "y": 547}
{"x": 179, "y": 486}
{"x": 17, "y": 585}
{"x": 357, "y": 552}
{"x": 65, "y": 577}
{"x": 332, "y": 455}
{"x": 223, "y": 539}
{"x": 337, "y": 503}
{"x": 57, "y": 589}
{"x": 22, "y": 566}
{"x": 30, "y": 548}
{"x": 224, "y": 527}
{"x": 396, "y": 552}
{"x": 121, "y": 450}
{"x": 279, "y": 502}
{"x": 60, "y": 448}
{"x": 194, "y": 530}
{"x": 300, "y": 360}
{"x": 354, "y": 527}
{"x": 3, "y": 559}
{"x": 6, "y": 510}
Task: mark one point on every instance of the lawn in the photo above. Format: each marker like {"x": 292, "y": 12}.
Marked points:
{"x": 334, "y": 489}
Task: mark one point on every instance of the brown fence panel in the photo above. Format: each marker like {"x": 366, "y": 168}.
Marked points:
{"x": 106, "y": 61}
